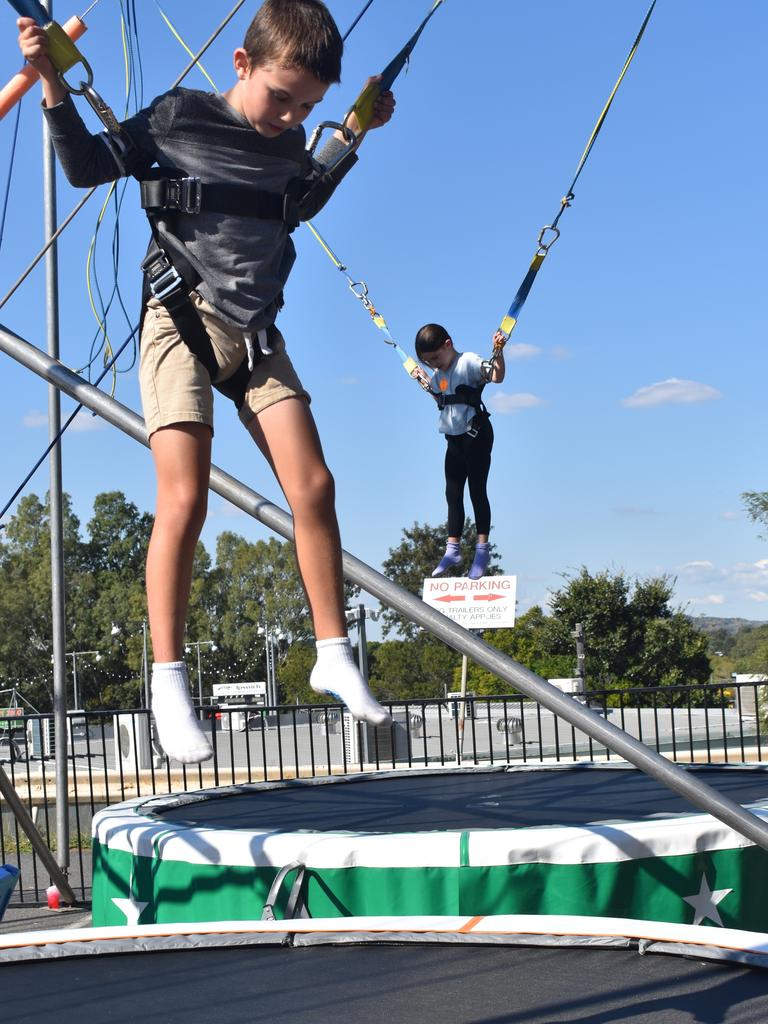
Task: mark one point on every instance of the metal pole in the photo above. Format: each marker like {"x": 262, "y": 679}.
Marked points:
{"x": 271, "y": 667}
{"x": 578, "y": 635}
{"x": 24, "y": 818}
{"x": 699, "y": 793}
{"x": 145, "y": 663}
{"x": 74, "y": 680}
{"x": 362, "y": 643}
{"x": 56, "y": 507}
{"x": 199, "y": 677}
{"x": 462, "y": 709}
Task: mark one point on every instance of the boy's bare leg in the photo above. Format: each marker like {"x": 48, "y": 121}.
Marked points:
{"x": 182, "y": 456}
{"x": 288, "y": 438}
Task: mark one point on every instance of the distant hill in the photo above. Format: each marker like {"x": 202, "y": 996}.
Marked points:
{"x": 710, "y": 624}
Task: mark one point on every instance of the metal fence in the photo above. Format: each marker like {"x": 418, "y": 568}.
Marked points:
{"x": 112, "y": 756}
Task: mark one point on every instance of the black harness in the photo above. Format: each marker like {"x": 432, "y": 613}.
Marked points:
{"x": 465, "y": 394}
{"x": 167, "y": 194}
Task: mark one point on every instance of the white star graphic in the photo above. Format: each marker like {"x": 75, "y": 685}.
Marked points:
{"x": 705, "y": 903}
{"x": 132, "y": 909}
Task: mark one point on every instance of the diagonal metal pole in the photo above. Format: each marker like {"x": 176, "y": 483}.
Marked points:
{"x": 669, "y": 774}
{"x": 24, "y": 819}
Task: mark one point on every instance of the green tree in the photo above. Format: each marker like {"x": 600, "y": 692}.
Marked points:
{"x": 528, "y": 643}
{"x": 756, "y": 504}
{"x": 633, "y": 637}
{"x": 413, "y": 560}
{"x": 409, "y": 669}
{"x": 750, "y": 650}
{"x": 109, "y": 593}
{"x": 293, "y": 673}
{"x": 25, "y": 596}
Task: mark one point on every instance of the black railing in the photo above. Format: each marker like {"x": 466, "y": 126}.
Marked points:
{"x": 112, "y": 758}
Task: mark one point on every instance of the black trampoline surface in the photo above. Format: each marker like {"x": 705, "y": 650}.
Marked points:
{"x": 384, "y": 984}
{"x": 464, "y": 799}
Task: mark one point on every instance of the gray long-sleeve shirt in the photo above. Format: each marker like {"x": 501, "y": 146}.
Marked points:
{"x": 244, "y": 262}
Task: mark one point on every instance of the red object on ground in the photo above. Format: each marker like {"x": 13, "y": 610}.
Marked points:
{"x": 54, "y": 896}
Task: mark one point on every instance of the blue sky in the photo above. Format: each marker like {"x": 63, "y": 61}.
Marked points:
{"x": 633, "y": 413}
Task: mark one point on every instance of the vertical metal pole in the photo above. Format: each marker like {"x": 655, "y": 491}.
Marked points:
{"x": 271, "y": 663}
{"x": 56, "y": 506}
{"x": 578, "y": 635}
{"x": 462, "y": 708}
{"x": 74, "y": 681}
{"x": 362, "y": 643}
{"x": 199, "y": 678}
{"x": 145, "y": 663}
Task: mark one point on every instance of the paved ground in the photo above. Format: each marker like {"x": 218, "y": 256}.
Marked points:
{"x": 35, "y": 916}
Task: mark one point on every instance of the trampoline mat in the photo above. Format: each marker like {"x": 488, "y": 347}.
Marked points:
{"x": 429, "y": 801}
{"x": 384, "y": 984}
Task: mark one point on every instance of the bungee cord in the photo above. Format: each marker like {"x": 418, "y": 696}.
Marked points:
{"x": 67, "y": 221}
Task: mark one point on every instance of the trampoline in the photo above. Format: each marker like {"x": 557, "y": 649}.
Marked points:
{"x": 587, "y": 840}
{"x": 501, "y": 970}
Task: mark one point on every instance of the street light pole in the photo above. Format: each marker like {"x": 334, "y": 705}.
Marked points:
{"x": 198, "y": 644}
{"x": 145, "y": 665}
{"x": 356, "y": 617}
{"x": 130, "y": 626}
{"x": 73, "y": 655}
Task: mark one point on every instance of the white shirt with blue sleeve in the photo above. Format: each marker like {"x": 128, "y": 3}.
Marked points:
{"x": 465, "y": 369}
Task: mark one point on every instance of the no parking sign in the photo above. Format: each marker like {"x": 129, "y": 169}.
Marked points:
{"x": 487, "y": 603}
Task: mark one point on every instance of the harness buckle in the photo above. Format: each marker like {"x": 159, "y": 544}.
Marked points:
{"x": 162, "y": 276}
{"x": 183, "y": 194}
{"x": 291, "y": 211}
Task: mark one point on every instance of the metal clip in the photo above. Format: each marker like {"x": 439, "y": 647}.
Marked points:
{"x": 546, "y": 246}
{"x": 184, "y": 195}
{"x": 291, "y": 212}
{"x": 99, "y": 107}
{"x": 162, "y": 276}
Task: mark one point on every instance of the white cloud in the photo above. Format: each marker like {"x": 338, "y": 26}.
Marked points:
{"x": 84, "y": 421}
{"x": 671, "y": 392}
{"x": 349, "y": 381}
{"x": 35, "y": 419}
{"x": 521, "y": 351}
{"x": 634, "y": 510}
{"x": 506, "y": 405}
{"x": 716, "y": 599}
{"x": 560, "y": 352}
{"x": 225, "y": 510}
{"x": 758, "y": 595}
{"x": 730, "y": 516}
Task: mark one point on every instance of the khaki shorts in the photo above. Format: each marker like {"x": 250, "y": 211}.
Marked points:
{"x": 175, "y": 386}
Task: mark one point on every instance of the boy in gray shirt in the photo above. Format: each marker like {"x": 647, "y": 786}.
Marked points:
{"x": 236, "y": 251}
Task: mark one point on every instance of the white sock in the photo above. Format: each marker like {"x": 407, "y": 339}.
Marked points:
{"x": 336, "y": 674}
{"x": 178, "y": 729}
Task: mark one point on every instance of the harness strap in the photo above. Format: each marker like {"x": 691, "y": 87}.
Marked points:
{"x": 179, "y": 193}
{"x": 164, "y": 282}
{"x": 464, "y": 394}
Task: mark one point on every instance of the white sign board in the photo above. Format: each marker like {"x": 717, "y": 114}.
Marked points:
{"x": 239, "y": 689}
{"x": 487, "y": 603}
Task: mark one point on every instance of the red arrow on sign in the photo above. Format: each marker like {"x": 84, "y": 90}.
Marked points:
{"x": 489, "y": 597}
{"x": 450, "y": 597}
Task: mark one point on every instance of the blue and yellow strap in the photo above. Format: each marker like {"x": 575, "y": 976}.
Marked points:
{"x": 364, "y": 104}
{"x": 360, "y": 290}
{"x": 62, "y": 52}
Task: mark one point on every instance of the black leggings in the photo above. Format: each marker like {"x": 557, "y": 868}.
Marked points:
{"x": 468, "y": 460}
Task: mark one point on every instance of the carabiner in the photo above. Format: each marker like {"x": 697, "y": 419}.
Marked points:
{"x": 363, "y": 293}
{"x": 104, "y": 112}
{"x": 546, "y": 246}
{"x": 314, "y": 138}
{"x": 84, "y": 86}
